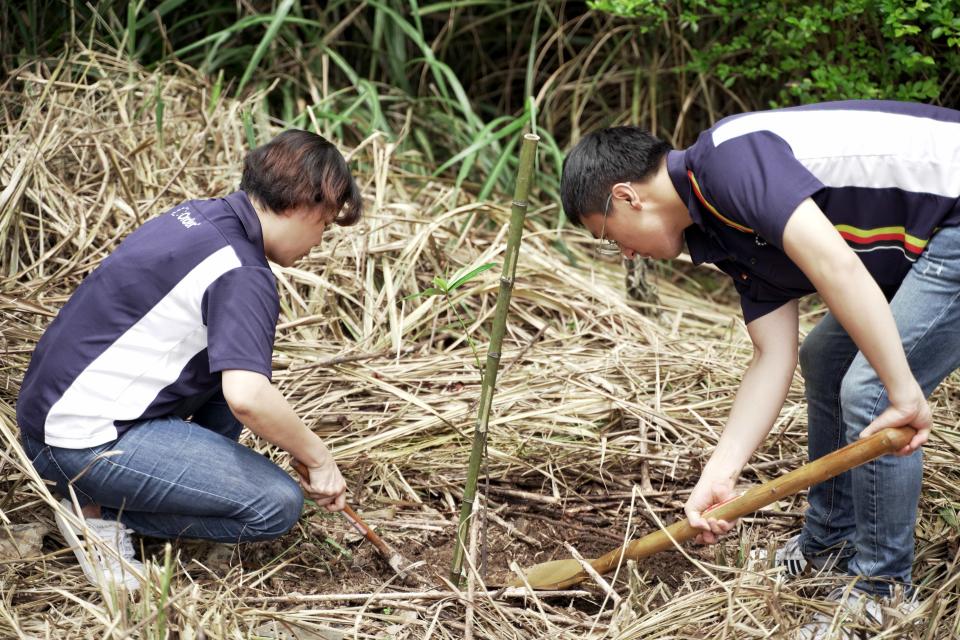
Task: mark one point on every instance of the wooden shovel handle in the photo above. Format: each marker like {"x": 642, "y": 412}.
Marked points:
{"x": 856, "y": 453}
{"x": 362, "y": 527}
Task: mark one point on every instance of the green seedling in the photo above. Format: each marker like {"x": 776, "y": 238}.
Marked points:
{"x": 442, "y": 287}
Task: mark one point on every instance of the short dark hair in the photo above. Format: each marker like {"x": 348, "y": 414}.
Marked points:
{"x": 602, "y": 159}
{"x": 299, "y": 168}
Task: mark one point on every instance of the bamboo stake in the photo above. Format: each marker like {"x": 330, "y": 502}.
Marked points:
{"x": 518, "y": 213}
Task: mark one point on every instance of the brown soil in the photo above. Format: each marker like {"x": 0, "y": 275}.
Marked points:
{"x": 325, "y": 555}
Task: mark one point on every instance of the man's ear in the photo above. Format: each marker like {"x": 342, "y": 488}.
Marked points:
{"x": 626, "y": 192}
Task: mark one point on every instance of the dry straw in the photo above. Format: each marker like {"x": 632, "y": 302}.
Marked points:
{"x": 593, "y": 397}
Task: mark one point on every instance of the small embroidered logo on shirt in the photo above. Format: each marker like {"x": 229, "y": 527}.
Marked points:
{"x": 183, "y": 215}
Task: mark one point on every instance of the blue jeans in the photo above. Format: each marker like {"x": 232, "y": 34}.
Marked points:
{"x": 172, "y": 478}
{"x": 868, "y": 514}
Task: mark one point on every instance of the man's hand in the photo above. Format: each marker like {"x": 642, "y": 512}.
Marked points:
{"x": 707, "y": 493}
{"x": 324, "y": 484}
{"x": 907, "y": 410}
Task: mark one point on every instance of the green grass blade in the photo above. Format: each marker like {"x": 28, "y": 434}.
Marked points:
{"x": 485, "y": 138}
{"x": 497, "y": 172}
{"x": 159, "y": 110}
{"x": 268, "y": 37}
{"x": 442, "y": 73}
{"x": 161, "y": 9}
{"x": 248, "y": 129}
{"x": 240, "y": 25}
{"x": 215, "y": 92}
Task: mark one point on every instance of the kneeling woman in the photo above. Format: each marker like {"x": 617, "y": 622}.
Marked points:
{"x": 137, "y": 391}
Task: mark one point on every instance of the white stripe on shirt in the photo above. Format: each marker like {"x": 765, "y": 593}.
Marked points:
{"x": 872, "y": 149}
{"x": 122, "y": 382}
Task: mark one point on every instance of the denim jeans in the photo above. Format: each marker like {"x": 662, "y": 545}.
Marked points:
{"x": 171, "y": 478}
{"x": 868, "y": 514}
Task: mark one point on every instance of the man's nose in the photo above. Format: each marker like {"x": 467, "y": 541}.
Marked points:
{"x": 629, "y": 254}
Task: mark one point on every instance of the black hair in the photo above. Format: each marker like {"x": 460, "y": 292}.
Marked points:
{"x": 602, "y": 159}
{"x": 299, "y": 168}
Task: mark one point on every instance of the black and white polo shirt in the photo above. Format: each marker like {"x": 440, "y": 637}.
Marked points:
{"x": 184, "y": 297}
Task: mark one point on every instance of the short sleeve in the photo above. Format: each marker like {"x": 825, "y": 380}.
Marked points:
{"x": 755, "y": 180}
{"x": 240, "y": 309}
{"x": 753, "y": 308}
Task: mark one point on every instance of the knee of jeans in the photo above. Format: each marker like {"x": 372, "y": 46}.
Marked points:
{"x": 859, "y": 397}
{"x": 283, "y": 505}
{"x": 812, "y": 351}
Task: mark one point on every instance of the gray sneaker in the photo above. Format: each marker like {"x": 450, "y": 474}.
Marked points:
{"x": 856, "y": 607}
{"x": 795, "y": 564}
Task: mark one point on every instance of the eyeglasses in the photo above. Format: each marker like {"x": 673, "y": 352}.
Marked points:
{"x": 606, "y": 247}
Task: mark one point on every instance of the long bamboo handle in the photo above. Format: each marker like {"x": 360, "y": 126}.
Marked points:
{"x": 883, "y": 442}
{"x": 362, "y": 527}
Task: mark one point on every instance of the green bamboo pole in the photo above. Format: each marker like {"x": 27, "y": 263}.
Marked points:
{"x": 517, "y": 214}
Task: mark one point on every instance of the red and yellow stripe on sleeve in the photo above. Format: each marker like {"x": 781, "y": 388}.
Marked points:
{"x": 851, "y": 234}
{"x": 911, "y": 243}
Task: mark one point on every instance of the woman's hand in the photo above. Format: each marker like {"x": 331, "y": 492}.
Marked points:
{"x": 908, "y": 409}
{"x": 323, "y": 484}
{"x": 708, "y": 492}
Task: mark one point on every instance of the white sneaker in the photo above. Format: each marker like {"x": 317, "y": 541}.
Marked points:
{"x": 101, "y": 562}
{"x": 855, "y": 606}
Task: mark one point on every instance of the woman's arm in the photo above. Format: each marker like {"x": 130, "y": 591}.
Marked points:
{"x": 264, "y": 410}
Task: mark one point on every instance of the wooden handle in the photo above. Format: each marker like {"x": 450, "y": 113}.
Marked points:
{"x": 362, "y": 527}
{"x": 883, "y": 442}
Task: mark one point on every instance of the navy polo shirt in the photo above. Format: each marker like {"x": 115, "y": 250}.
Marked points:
{"x": 886, "y": 174}
{"x": 184, "y": 297}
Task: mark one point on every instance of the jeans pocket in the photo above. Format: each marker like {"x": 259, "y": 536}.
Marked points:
{"x": 66, "y": 467}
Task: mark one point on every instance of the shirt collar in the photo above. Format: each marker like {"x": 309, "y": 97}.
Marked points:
{"x": 677, "y": 170}
{"x": 241, "y": 206}
{"x": 699, "y": 245}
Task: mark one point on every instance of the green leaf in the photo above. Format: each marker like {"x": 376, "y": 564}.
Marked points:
{"x": 426, "y": 293}
{"x": 950, "y": 517}
{"x": 440, "y": 283}
{"x": 470, "y": 276}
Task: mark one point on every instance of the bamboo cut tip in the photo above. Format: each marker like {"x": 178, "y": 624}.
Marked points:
{"x": 556, "y": 574}
{"x": 531, "y": 136}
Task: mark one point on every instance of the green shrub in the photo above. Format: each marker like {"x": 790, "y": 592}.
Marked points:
{"x": 776, "y": 53}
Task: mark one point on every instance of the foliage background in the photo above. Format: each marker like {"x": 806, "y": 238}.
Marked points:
{"x": 454, "y": 83}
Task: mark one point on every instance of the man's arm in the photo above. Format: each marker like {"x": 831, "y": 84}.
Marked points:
{"x": 852, "y": 295}
{"x": 264, "y": 410}
{"x": 762, "y": 392}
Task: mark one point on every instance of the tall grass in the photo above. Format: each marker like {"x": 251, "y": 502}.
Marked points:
{"x": 454, "y": 83}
